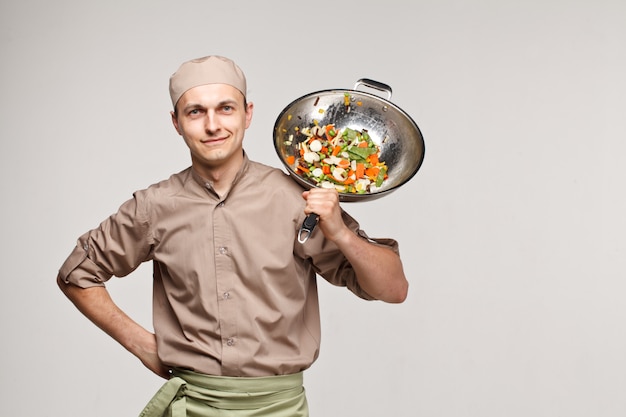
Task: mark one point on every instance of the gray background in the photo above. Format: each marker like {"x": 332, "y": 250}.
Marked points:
{"x": 512, "y": 233}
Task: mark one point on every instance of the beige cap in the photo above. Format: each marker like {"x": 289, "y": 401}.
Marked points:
{"x": 207, "y": 70}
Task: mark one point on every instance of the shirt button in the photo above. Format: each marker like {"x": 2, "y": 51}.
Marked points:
{"x": 230, "y": 341}
{"x": 222, "y": 250}
{"x": 226, "y": 295}
{"x": 221, "y": 204}
{"x": 86, "y": 246}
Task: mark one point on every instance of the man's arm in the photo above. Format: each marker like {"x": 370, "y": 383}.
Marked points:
{"x": 378, "y": 269}
{"x": 96, "y": 304}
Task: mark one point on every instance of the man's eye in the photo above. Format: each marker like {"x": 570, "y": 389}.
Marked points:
{"x": 227, "y": 108}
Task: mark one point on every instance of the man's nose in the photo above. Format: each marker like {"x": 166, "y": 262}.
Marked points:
{"x": 211, "y": 122}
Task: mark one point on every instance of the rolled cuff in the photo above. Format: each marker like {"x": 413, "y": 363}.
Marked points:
{"x": 79, "y": 270}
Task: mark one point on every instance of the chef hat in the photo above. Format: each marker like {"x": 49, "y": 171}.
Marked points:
{"x": 207, "y": 70}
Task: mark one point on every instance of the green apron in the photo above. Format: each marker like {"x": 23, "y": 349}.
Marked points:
{"x": 190, "y": 394}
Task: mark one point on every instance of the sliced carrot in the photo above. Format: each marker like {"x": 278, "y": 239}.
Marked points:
{"x": 330, "y": 128}
{"x": 344, "y": 163}
{"x": 362, "y": 144}
{"x": 373, "y": 159}
{"x": 291, "y": 160}
{"x": 372, "y": 172}
{"x": 336, "y": 150}
{"x": 324, "y": 150}
{"x": 360, "y": 170}
{"x": 326, "y": 169}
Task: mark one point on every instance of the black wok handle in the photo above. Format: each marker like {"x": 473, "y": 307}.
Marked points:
{"x": 307, "y": 227}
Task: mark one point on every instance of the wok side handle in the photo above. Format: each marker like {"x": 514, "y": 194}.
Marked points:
{"x": 307, "y": 227}
{"x": 376, "y": 85}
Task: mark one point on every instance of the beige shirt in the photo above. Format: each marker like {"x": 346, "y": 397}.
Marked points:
{"x": 234, "y": 291}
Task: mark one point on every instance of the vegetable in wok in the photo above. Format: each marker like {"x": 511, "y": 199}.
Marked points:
{"x": 347, "y": 159}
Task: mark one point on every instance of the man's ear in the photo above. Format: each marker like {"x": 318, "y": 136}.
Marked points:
{"x": 175, "y": 122}
{"x": 249, "y": 111}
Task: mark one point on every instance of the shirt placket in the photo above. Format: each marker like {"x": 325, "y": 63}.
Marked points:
{"x": 227, "y": 298}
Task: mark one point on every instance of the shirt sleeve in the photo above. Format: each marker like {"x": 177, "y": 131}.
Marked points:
{"x": 331, "y": 264}
{"x": 115, "y": 248}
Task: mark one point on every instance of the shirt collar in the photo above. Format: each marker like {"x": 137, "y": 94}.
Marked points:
{"x": 205, "y": 183}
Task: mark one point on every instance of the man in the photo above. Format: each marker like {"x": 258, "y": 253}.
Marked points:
{"x": 236, "y": 317}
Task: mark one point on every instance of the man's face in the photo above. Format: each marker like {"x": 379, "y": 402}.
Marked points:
{"x": 213, "y": 119}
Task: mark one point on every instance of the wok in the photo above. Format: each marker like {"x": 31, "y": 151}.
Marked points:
{"x": 393, "y": 130}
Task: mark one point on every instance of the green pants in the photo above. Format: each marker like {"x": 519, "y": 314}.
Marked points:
{"x": 189, "y": 394}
